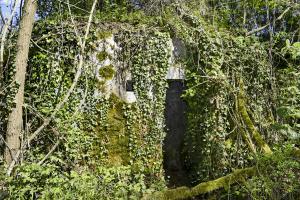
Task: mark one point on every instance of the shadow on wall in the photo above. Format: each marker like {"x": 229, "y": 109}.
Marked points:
{"x": 175, "y": 173}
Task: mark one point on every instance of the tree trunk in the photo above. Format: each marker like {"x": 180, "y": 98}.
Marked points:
{"x": 15, "y": 121}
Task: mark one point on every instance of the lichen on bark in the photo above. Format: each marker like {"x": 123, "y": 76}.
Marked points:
{"x": 246, "y": 118}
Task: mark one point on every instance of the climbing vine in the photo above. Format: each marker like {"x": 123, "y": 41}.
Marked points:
{"x": 149, "y": 63}
{"x": 97, "y": 133}
{"x": 113, "y": 148}
{"x": 214, "y": 140}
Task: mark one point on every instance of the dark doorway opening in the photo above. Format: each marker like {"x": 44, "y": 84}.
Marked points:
{"x": 175, "y": 127}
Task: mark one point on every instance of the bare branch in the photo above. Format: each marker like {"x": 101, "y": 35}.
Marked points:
{"x": 74, "y": 6}
{"x": 265, "y": 26}
{"x": 2, "y": 17}
{"x": 7, "y": 146}
{"x": 49, "y": 153}
{"x": 4, "y": 35}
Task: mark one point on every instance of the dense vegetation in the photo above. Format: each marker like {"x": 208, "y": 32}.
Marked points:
{"x": 81, "y": 141}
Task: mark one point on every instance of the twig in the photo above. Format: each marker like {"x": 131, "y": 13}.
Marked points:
{"x": 2, "y": 17}
{"x": 3, "y": 37}
{"x": 72, "y": 5}
{"x": 41, "y": 48}
{"x": 49, "y": 153}
{"x": 9, "y": 149}
{"x": 265, "y": 26}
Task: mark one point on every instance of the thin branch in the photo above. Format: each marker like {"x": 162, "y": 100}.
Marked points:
{"x": 41, "y": 48}
{"x": 20, "y": 11}
{"x": 82, "y": 101}
{"x": 3, "y": 37}
{"x": 265, "y": 26}
{"x": 74, "y": 6}
{"x": 74, "y": 24}
{"x": 9, "y": 149}
{"x": 49, "y": 153}
{"x": 2, "y": 17}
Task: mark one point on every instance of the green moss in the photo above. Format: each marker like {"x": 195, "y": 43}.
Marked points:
{"x": 107, "y": 72}
{"x": 101, "y": 56}
{"x": 101, "y": 86}
{"x": 104, "y": 34}
{"x": 296, "y": 152}
{"x": 246, "y": 118}
{"x": 238, "y": 175}
{"x": 114, "y": 133}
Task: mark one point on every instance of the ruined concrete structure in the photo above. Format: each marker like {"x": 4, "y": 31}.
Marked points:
{"x": 121, "y": 84}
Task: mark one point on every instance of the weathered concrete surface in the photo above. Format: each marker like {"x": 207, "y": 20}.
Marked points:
{"x": 176, "y": 72}
{"x": 176, "y": 125}
{"x": 117, "y": 85}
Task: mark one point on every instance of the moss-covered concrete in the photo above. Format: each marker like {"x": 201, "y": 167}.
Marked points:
{"x": 101, "y": 86}
{"x": 114, "y": 133}
{"x": 296, "y": 152}
{"x": 103, "y": 34}
{"x": 107, "y": 72}
{"x": 101, "y": 56}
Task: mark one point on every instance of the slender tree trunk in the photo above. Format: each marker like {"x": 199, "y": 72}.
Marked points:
{"x": 15, "y": 121}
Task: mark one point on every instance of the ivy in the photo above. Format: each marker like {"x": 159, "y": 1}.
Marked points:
{"x": 146, "y": 117}
{"x": 213, "y": 67}
{"x": 102, "y": 136}
{"x": 113, "y": 149}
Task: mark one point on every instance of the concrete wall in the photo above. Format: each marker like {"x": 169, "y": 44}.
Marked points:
{"x": 117, "y": 85}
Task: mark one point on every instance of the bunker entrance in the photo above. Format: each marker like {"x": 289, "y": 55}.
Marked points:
{"x": 175, "y": 173}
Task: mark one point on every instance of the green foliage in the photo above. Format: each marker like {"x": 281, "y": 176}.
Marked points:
{"x": 278, "y": 175}
{"x": 118, "y": 183}
{"x": 122, "y": 15}
{"x": 146, "y": 117}
{"x": 106, "y": 145}
{"x": 102, "y": 35}
{"x": 107, "y": 72}
{"x": 288, "y": 108}
{"x": 292, "y": 49}
{"x": 113, "y": 150}
{"x": 3, "y": 182}
{"x": 50, "y": 8}
{"x": 102, "y": 56}
{"x": 217, "y": 60}
{"x": 48, "y": 182}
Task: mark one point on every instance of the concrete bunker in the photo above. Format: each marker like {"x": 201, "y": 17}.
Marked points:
{"x": 121, "y": 84}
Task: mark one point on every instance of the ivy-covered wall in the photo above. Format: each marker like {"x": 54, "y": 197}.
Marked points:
{"x": 101, "y": 135}
{"x": 112, "y": 148}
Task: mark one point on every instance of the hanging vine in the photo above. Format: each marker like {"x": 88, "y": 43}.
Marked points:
{"x": 149, "y": 61}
